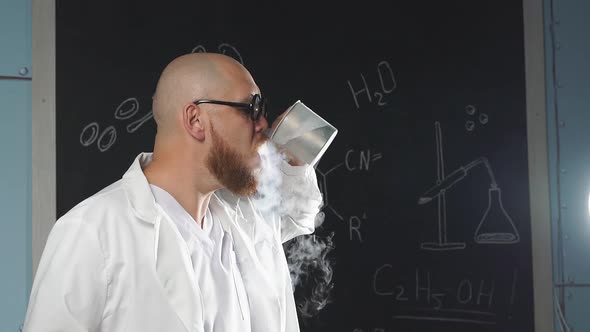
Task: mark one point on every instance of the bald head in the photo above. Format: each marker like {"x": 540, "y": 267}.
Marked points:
{"x": 191, "y": 77}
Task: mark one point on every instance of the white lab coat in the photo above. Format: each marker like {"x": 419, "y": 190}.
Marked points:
{"x": 112, "y": 263}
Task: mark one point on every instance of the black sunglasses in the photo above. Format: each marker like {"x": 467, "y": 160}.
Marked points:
{"x": 255, "y": 109}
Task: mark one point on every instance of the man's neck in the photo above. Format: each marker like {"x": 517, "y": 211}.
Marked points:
{"x": 186, "y": 186}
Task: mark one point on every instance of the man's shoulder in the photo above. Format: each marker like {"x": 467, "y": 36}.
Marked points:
{"x": 108, "y": 201}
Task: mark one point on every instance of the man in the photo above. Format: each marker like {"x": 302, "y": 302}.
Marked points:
{"x": 177, "y": 244}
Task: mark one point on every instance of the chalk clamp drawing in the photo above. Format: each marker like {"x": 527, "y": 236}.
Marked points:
{"x": 495, "y": 226}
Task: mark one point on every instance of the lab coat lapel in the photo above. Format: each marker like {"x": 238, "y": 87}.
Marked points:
{"x": 247, "y": 228}
{"x": 226, "y": 206}
{"x": 172, "y": 261}
{"x": 175, "y": 272}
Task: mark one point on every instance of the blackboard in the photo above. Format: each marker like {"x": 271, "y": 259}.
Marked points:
{"x": 426, "y": 184}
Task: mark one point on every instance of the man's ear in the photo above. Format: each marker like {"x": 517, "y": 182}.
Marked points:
{"x": 193, "y": 121}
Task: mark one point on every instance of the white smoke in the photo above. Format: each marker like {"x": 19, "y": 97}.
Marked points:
{"x": 311, "y": 271}
{"x": 268, "y": 197}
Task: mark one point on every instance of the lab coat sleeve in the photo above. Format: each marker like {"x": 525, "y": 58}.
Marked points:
{"x": 301, "y": 200}
{"x": 70, "y": 287}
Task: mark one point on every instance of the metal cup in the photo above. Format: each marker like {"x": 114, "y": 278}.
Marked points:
{"x": 303, "y": 133}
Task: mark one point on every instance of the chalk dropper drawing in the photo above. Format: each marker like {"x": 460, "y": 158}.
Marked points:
{"x": 495, "y": 226}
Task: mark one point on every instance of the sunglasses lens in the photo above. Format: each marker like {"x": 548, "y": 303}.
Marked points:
{"x": 257, "y": 107}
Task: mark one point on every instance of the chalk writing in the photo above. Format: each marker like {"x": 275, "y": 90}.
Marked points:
{"x": 107, "y": 138}
{"x": 354, "y": 227}
{"x": 365, "y": 157}
{"x": 132, "y": 105}
{"x": 470, "y": 123}
{"x": 129, "y": 107}
{"x": 323, "y": 184}
{"x": 223, "y": 48}
{"x": 387, "y": 84}
{"x": 469, "y": 300}
{"x": 353, "y": 161}
{"x": 495, "y": 226}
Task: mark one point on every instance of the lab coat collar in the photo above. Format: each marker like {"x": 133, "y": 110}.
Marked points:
{"x": 138, "y": 189}
{"x": 143, "y": 202}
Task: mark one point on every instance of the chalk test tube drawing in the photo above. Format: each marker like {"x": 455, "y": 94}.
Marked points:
{"x": 495, "y": 226}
